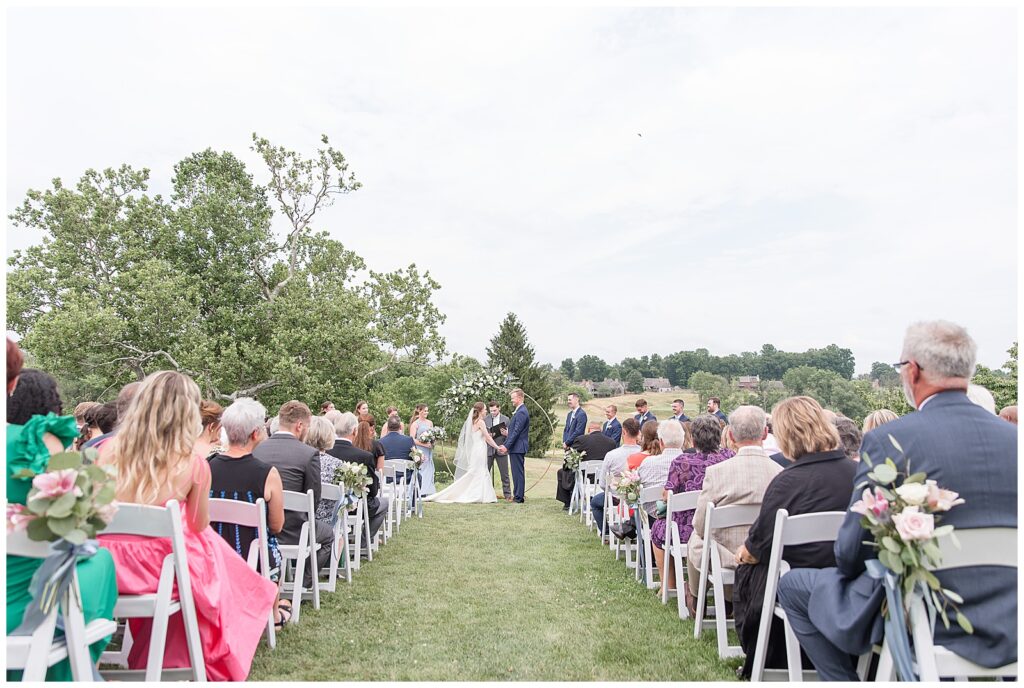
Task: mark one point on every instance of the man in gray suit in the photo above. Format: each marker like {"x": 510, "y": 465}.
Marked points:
{"x": 835, "y": 612}
{"x": 299, "y": 466}
{"x": 495, "y": 417}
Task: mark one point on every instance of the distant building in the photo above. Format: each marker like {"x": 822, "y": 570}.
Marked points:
{"x": 751, "y": 382}
{"x": 611, "y": 388}
{"x": 657, "y": 384}
{"x": 590, "y": 386}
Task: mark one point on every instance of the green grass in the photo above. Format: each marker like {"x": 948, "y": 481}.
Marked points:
{"x": 493, "y": 592}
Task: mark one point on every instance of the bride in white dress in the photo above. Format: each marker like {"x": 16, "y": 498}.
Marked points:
{"x": 473, "y": 482}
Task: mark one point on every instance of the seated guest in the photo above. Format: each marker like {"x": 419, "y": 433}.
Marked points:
{"x": 836, "y": 612}
{"x": 35, "y": 432}
{"x": 320, "y": 436}
{"x": 209, "y": 439}
{"x": 397, "y": 445}
{"x": 655, "y": 468}
{"x": 849, "y": 435}
{"x": 726, "y": 441}
{"x": 80, "y": 410}
{"x": 299, "y": 466}
{"x": 614, "y": 463}
{"x": 685, "y": 473}
{"x": 650, "y": 445}
{"x": 123, "y": 401}
{"x": 740, "y": 480}
{"x": 612, "y": 427}
{"x": 344, "y": 449}
{"x": 688, "y": 447}
{"x": 366, "y": 439}
{"x": 596, "y": 446}
{"x": 236, "y": 474}
{"x": 99, "y": 420}
{"x": 1009, "y": 414}
{"x": 152, "y": 453}
{"x": 876, "y": 418}
{"x": 819, "y": 478}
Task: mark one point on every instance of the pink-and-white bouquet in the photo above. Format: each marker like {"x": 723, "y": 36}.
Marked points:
{"x": 902, "y": 511}
{"x": 417, "y": 457}
{"x": 627, "y": 485}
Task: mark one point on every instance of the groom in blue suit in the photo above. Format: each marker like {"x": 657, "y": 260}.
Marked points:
{"x": 517, "y": 443}
{"x": 575, "y": 422}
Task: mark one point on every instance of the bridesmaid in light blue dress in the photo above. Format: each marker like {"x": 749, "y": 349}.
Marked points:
{"x": 417, "y": 424}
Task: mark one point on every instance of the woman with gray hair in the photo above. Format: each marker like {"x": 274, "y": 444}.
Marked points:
{"x": 237, "y": 474}
{"x": 320, "y": 436}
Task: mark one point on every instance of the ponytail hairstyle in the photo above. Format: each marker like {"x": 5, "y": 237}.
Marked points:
{"x": 478, "y": 411}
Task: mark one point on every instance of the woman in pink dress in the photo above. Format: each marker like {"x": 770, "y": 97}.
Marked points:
{"x": 152, "y": 452}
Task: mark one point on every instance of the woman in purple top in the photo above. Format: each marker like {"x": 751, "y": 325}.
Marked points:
{"x": 686, "y": 474}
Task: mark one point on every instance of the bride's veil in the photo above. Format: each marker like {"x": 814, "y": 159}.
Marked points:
{"x": 464, "y": 449}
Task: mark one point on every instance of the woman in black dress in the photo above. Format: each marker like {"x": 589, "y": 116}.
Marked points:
{"x": 820, "y": 478}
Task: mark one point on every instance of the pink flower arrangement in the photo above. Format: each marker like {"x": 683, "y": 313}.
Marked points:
{"x": 939, "y": 499}
{"x": 18, "y": 517}
{"x": 912, "y": 525}
{"x": 875, "y": 503}
{"x": 56, "y": 484}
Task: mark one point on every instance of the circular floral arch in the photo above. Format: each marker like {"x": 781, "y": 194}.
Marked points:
{"x": 478, "y": 387}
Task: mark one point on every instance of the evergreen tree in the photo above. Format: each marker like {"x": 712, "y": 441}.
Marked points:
{"x": 511, "y": 351}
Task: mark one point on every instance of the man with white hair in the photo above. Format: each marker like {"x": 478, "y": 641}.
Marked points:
{"x": 740, "y": 480}
{"x": 836, "y": 612}
{"x": 345, "y": 431}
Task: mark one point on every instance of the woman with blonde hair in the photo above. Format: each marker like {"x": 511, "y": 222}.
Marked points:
{"x": 876, "y": 418}
{"x": 820, "y": 478}
{"x": 153, "y": 453}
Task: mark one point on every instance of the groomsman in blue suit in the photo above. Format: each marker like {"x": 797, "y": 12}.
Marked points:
{"x": 517, "y": 443}
{"x": 612, "y": 427}
{"x": 643, "y": 413}
{"x": 575, "y": 422}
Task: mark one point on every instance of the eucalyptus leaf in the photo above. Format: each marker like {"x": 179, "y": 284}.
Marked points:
{"x": 933, "y": 552}
{"x": 97, "y": 474}
{"x": 930, "y": 579}
{"x": 867, "y": 459}
{"x": 896, "y": 444}
{"x": 916, "y": 478}
{"x": 63, "y": 461}
{"x": 39, "y": 506}
{"x": 964, "y": 623}
{"x": 891, "y": 545}
{"x": 63, "y": 526}
{"x": 76, "y": 537}
{"x": 952, "y": 596}
{"x": 62, "y": 506}
{"x": 942, "y": 531}
{"x": 39, "y": 531}
{"x": 885, "y": 473}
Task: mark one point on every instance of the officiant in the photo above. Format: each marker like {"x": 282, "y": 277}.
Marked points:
{"x": 497, "y": 425}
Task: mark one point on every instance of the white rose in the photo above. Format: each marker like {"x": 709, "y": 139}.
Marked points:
{"x": 913, "y": 493}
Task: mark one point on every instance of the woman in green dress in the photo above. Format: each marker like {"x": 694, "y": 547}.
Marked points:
{"x": 36, "y": 431}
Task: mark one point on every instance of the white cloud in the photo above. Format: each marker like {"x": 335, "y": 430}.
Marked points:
{"x": 804, "y": 176}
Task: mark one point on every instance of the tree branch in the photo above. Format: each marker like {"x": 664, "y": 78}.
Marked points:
{"x": 251, "y": 391}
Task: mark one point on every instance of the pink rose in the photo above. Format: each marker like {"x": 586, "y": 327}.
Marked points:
{"x": 941, "y": 500}
{"x": 18, "y": 517}
{"x": 876, "y": 503}
{"x": 106, "y": 512}
{"x": 57, "y": 483}
{"x": 913, "y": 525}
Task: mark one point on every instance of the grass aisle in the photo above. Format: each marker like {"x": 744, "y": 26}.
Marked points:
{"x": 493, "y": 592}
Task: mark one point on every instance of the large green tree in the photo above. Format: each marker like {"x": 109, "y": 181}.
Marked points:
{"x": 592, "y": 368}
{"x": 1001, "y": 382}
{"x": 126, "y": 283}
{"x": 510, "y": 351}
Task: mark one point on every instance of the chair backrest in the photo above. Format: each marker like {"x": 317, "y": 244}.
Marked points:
{"x": 806, "y": 528}
{"x": 144, "y": 520}
{"x": 331, "y": 492}
{"x": 399, "y": 464}
{"x": 979, "y": 547}
{"x": 299, "y": 501}
{"x": 236, "y": 512}
{"x": 732, "y": 515}
{"x": 651, "y": 494}
{"x": 681, "y": 501}
{"x": 19, "y": 545}
{"x": 590, "y": 467}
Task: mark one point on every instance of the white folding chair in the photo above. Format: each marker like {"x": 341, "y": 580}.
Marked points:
{"x": 355, "y": 528}
{"x": 339, "y": 545}
{"x": 587, "y": 470}
{"x": 159, "y": 522}
{"x": 389, "y": 489}
{"x": 675, "y": 548}
{"x": 712, "y": 568}
{"x": 646, "y": 570}
{"x": 372, "y": 543}
{"x": 978, "y": 547}
{"x": 34, "y": 654}
{"x": 789, "y": 530}
{"x": 402, "y": 489}
{"x": 301, "y": 553}
{"x": 246, "y": 515}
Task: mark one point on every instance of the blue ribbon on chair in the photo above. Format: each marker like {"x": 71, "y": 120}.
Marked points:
{"x": 50, "y": 583}
{"x": 896, "y": 633}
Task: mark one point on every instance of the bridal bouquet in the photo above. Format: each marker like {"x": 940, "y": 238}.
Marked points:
{"x": 354, "y": 480}
{"x": 71, "y": 501}
{"x": 417, "y": 456}
{"x": 902, "y": 517}
{"x": 434, "y": 434}
{"x": 573, "y": 458}
{"x": 627, "y": 484}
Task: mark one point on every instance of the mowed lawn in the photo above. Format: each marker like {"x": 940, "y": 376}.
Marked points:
{"x": 493, "y": 592}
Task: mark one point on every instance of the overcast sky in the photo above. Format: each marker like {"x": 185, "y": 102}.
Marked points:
{"x": 803, "y": 176}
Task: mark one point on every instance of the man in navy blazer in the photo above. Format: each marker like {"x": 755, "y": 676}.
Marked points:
{"x": 575, "y": 422}
{"x": 397, "y": 444}
{"x": 835, "y": 612}
{"x": 517, "y": 443}
{"x": 612, "y": 428}
{"x": 643, "y": 413}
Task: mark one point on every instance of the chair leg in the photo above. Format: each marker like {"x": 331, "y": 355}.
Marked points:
{"x": 792, "y": 653}
{"x": 299, "y": 576}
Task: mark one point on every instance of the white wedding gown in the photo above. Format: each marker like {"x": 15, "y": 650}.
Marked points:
{"x": 476, "y": 485}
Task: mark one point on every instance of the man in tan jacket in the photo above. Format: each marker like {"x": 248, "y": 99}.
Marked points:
{"x": 740, "y": 480}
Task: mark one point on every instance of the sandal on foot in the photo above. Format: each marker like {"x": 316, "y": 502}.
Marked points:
{"x": 285, "y": 614}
